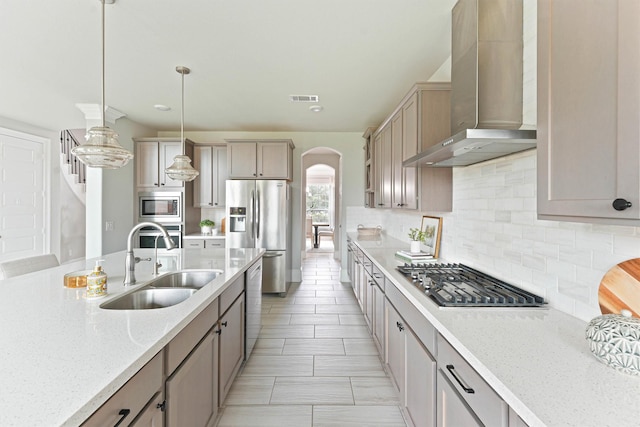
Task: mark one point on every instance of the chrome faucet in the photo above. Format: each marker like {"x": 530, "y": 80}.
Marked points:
{"x": 130, "y": 260}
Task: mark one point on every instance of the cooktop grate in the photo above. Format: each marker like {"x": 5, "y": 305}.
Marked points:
{"x": 456, "y": 285}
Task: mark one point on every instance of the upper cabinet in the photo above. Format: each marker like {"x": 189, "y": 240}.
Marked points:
{"x": 369, "y": 169}
{"x": 588, "y": 111}
{"x": 264, "y": 159}
{"x": 153, "y": 156}
{"x": 420, "y": 121}
{"x": 210, "y": 186}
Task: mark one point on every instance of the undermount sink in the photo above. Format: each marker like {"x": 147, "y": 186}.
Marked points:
{"x": 147, "y": 298}
{"x": 164, "y": 291}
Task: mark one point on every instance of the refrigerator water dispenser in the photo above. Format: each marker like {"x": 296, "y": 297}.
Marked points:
{"x": 237, "y": 219}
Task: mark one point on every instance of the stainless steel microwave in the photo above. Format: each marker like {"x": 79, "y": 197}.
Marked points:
{"x": 160, "y": 206}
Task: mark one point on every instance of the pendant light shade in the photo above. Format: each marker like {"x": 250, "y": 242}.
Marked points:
{"x": 181, "y": 169}
{"x": 102, "y": 149}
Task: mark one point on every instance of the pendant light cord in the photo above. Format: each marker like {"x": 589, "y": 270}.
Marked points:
{"x": 182, "y": 116}
{"x": 103, "y": 68}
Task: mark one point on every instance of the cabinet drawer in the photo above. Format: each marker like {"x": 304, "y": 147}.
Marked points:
{"x": 193, "y": 244}
{"x": 182, "y": 344}
{"x": 214, "y": 243}
{"x": 230, "y": 294}
{"x": 378, "y": 277}
{"x": 484, "y": 402}
{"x": 421, "y": 326}
{"x": 133, "y": 396}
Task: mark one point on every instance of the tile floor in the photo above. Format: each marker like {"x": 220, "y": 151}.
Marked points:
{"x": 315, "y": 363}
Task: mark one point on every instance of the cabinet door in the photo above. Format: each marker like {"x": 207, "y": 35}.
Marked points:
{"x": 395, "y": 349}
{"x": 396, "y": 161}
{"x": 420, "y": 382}
{"x": 231, "y": 345}
{"x": 151, "y": 415}
{"x": 378, "y": 318}
{"x": 383, "y": 168}
{"x": 452, "y": 411}
{"x": 588, "y": 109}
{"x": 147, "y": 166}
{"x": 190, "y": 390}
{"x": 241, "y": 160}
{"x": 368, "y": 301}
{"x": 219, "y": 176}
{"x": 273, "y": 160}
{"x": 203, "y": 184}
{"x": 410, "y": 149}
{"x": 168, "y": 150}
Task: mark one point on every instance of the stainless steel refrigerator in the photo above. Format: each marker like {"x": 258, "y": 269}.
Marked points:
{"x": 258, "y": 213}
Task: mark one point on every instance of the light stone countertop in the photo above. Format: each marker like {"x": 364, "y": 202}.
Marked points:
{"x": 537, "y": 360}
{"x": 62, "y": 356}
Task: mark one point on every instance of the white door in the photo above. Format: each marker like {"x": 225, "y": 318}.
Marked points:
{"x": 22, "y": 195}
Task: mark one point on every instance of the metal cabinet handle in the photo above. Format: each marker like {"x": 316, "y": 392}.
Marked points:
{"x": 451, "y": 369}
{"x": 219, "y": 331}
{"x": 621, "y": 204}
{"x": 224, "y": 324}
{"x": 124, "y": 413}
{"x": 400, "y": 326}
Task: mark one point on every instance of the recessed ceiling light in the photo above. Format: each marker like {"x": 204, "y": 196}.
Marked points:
{"x": 316, "y": 108}
{"x": 161, "y": 107}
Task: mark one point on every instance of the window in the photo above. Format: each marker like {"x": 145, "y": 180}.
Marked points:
{"x": 318, "y": 203}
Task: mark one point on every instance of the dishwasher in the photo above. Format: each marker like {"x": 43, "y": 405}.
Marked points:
{"x": 253, "y": 300}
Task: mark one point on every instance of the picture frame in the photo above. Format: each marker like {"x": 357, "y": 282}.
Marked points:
{"x": 432, "y": 228}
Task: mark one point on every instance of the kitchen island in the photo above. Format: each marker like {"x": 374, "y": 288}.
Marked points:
{"x": 63, "y": 356}
{"x": 536, "y": 359}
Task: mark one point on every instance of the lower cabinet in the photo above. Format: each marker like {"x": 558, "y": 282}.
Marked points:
{"x": 135, "y": 399}
{"x": 191, "y": 391}
{"x": 151, "y": 415}
{"x": 413, "y": 370}
{"x": 378, "y": 326}
{"x": 463, "y": 395}
{"x": 231, "y": 345}
{"x": 452, "y": 409}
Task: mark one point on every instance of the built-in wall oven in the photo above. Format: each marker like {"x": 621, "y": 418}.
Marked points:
{"x": 147, "y": 236}
{"x": 160, "y": 207}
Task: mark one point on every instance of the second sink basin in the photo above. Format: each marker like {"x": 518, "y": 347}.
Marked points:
{"x": 185, "y": 279}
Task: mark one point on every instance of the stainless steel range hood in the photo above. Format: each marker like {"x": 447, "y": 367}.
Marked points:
{"x": 486, "y": 86}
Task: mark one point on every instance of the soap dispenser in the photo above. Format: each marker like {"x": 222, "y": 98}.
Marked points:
{"x": 97, "y": 282}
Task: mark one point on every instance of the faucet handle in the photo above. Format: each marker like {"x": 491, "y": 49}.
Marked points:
{"x": 138, "y": 259}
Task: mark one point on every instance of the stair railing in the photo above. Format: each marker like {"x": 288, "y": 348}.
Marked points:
{"x": 67, "y": 142}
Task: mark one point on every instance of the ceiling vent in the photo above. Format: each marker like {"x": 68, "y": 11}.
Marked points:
{"x": 304, "y": 98}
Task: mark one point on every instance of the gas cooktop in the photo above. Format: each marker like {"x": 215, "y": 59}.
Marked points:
{"x": 456, "y": 285}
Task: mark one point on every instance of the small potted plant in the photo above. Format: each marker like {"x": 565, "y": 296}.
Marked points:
{"x": 417, "y": 236}
{"x": 206, "y": 226}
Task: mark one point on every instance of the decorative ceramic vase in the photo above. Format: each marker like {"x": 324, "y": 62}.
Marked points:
{"x": 206, "y": 229}
{"x": 415, "y": 246}
{"x": 614, "y": 339}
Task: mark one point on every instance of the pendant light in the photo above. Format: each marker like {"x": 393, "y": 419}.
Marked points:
{"x": 181, "y": 169}
{"x": 102, "y": 149}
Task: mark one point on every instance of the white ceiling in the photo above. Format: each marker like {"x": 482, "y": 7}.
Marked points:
{"x": 246, "y": 57}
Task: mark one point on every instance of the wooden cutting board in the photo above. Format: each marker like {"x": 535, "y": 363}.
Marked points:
{"x": 620, "y": 288}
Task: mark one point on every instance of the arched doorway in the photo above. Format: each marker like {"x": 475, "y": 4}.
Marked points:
{"x": 322, "y": 184}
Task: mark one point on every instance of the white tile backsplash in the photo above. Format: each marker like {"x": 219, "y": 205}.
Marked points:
{"x": 494, "y": 227}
